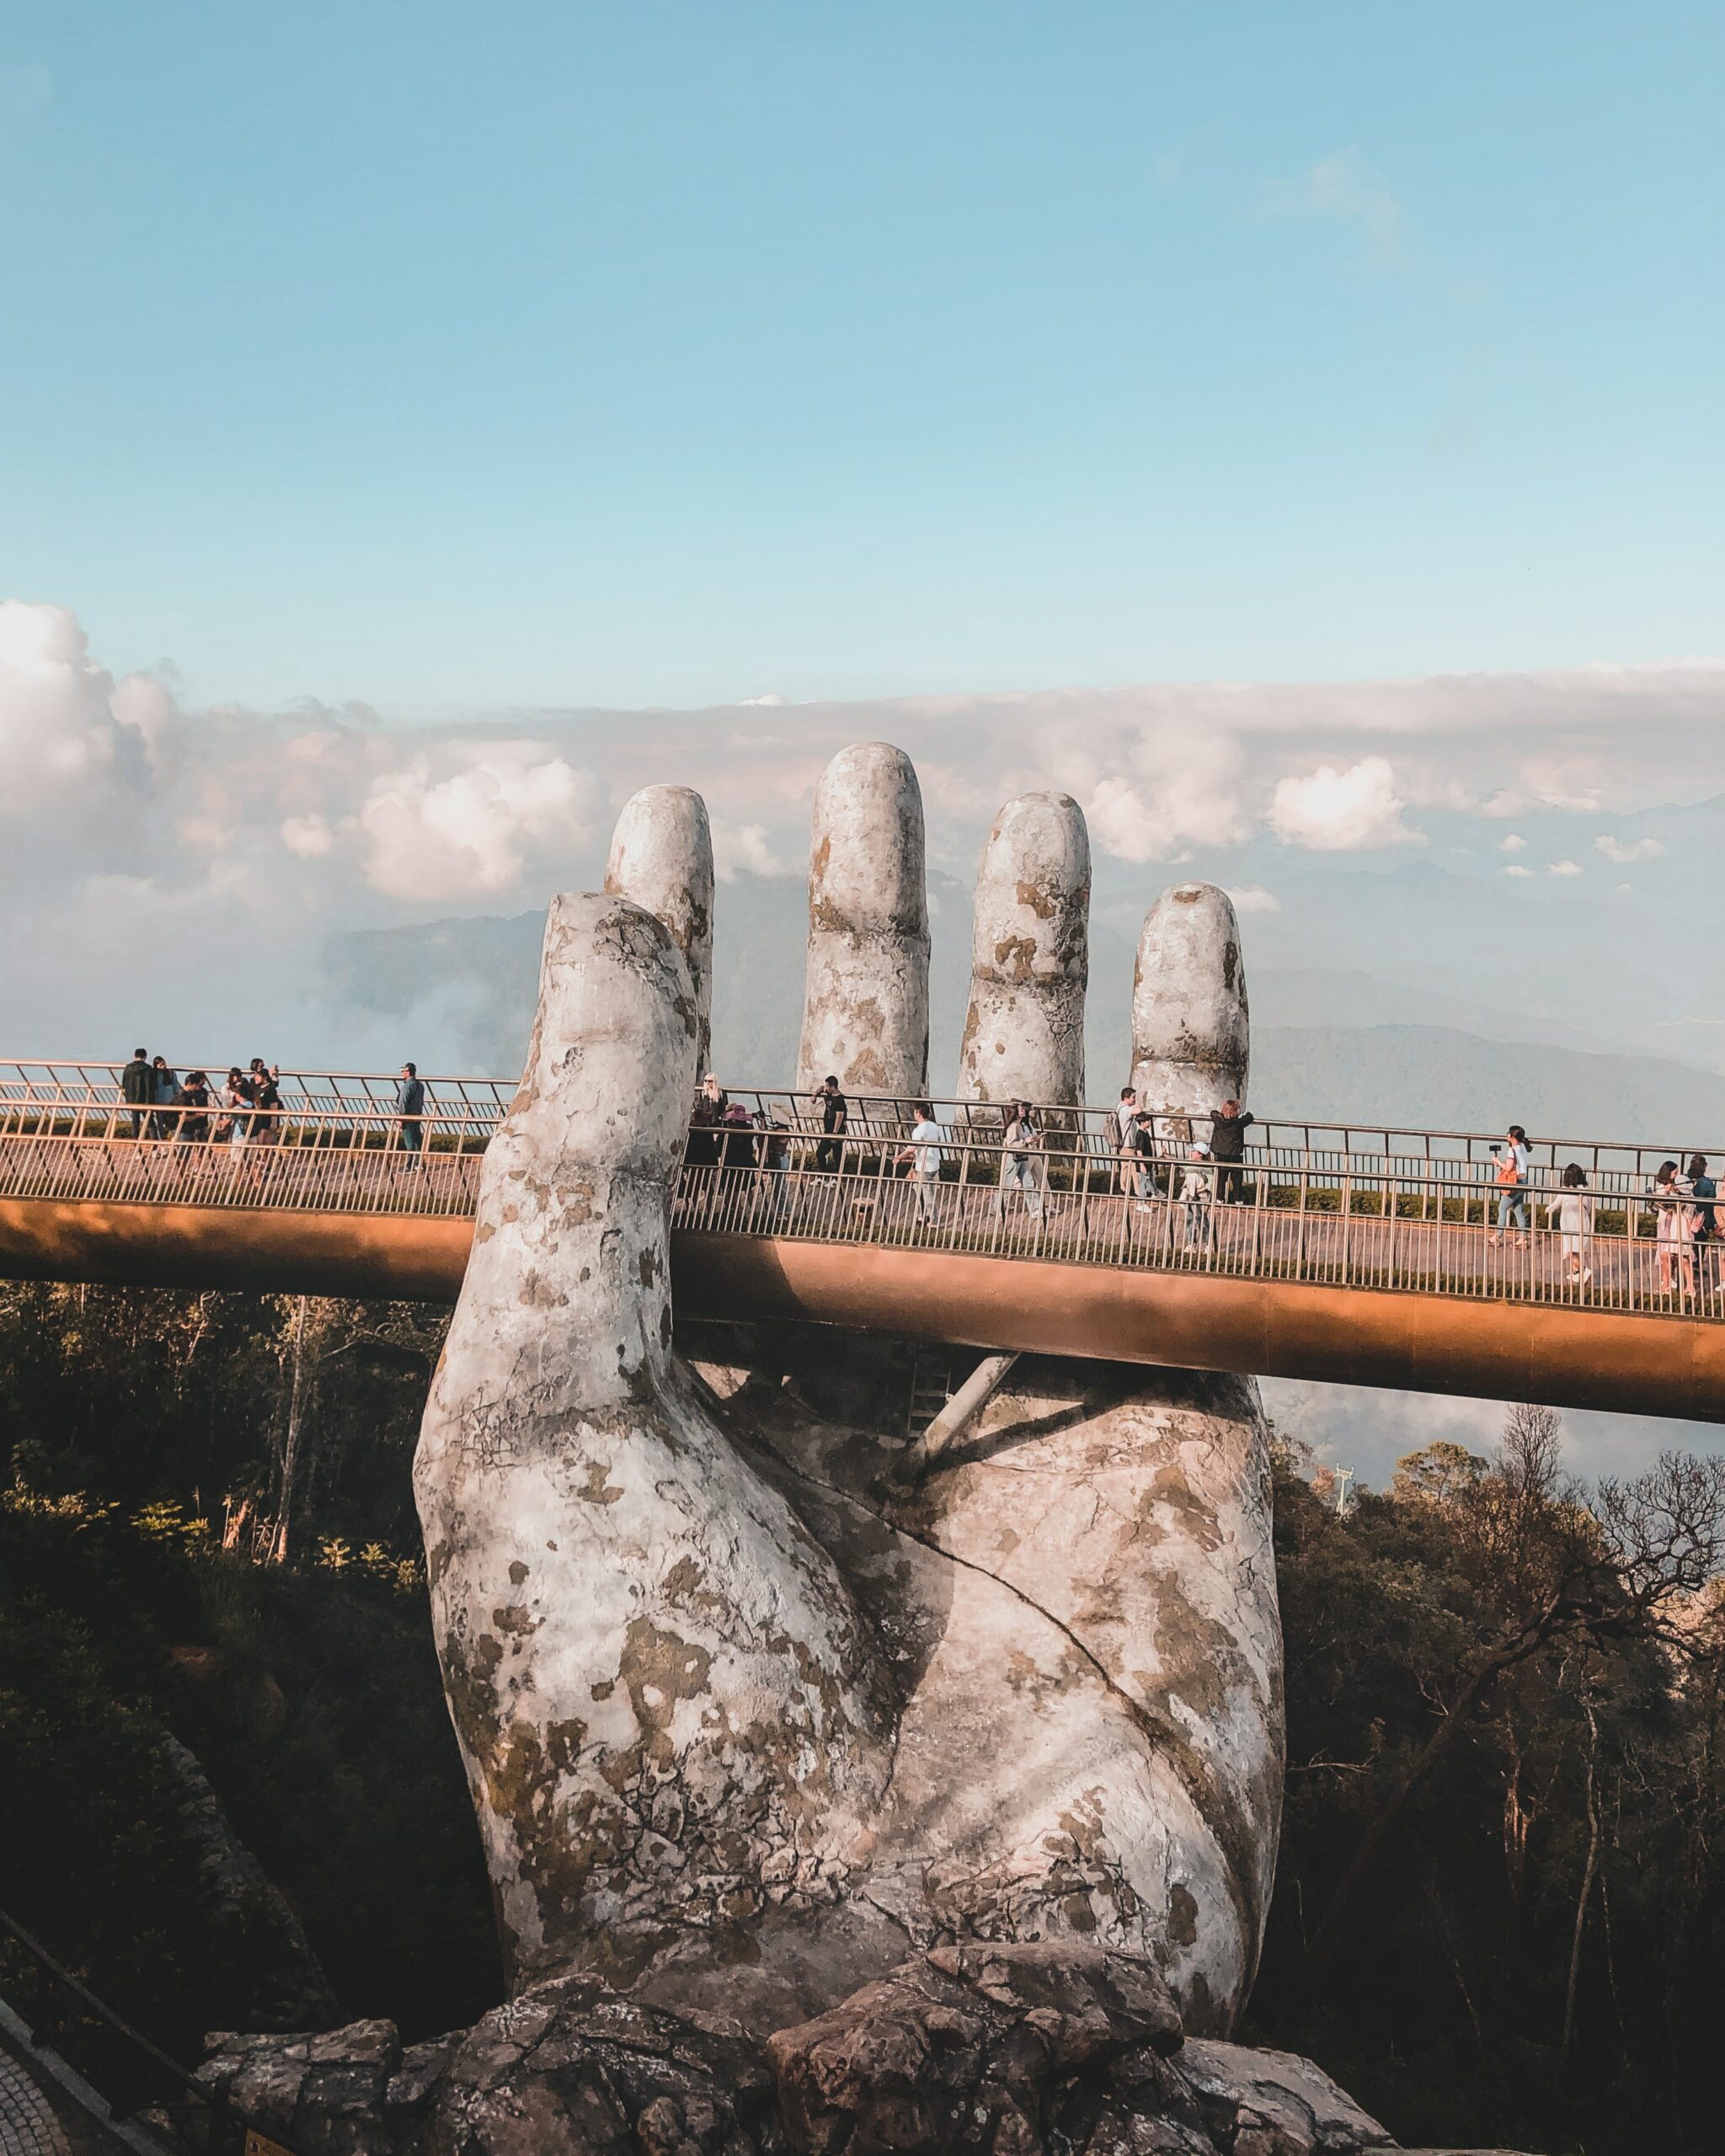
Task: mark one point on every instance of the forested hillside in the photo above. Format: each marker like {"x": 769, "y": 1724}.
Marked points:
{"x": 1500, "y": 1913}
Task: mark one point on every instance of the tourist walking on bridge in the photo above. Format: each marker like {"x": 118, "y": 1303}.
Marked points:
{"x": 923, "y": 1156}
{"x": 1573, "y": 1215}
{"x": 410, "y": 1113}
{"x": 1022, "y": 1146}
{"x": 1513, "y": 1160}
{"x": 137, "y": 1089}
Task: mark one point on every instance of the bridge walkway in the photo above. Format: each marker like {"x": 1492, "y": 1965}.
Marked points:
{"x": 1367, "y": 1257}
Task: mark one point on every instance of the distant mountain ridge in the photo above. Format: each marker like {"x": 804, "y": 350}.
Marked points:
{"x": 462, "y": 992}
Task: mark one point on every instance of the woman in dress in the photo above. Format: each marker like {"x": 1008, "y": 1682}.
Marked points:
{"x": 1674, "y": 1230}
{"x": 1573, "y": 1215}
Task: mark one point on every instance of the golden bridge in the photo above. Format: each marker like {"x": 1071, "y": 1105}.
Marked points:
{"x": 1365, "y": 1256}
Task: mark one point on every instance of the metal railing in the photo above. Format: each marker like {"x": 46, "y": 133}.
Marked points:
{"x": 1305, "y": 1203}
{"x": 1309, "y": 1201}
{"x": 138, "y": 2081}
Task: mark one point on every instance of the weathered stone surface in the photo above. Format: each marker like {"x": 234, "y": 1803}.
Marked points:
{"x": 1190, "y": 1022}
{"x": 1029, "y": 957}
{"x": 865, "y": 1010}
{"x": 1079, "y": 1609}
{"x": 661, "y": 856}
{"x": 662, "y": 1692}
{"x": 1013, "y": 2049}
{"x": 971, "y": 2044}
{"x": 1262, "y": 2103}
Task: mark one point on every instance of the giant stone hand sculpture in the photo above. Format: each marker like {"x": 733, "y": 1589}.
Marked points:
{"x": 747, "y": 1711}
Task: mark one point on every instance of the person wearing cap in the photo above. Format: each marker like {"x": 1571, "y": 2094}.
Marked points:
{"x": 1197, "y": 1195}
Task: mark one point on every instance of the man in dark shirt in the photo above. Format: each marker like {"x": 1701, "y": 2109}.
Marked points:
{"x": 409, "y": 1109}
{"x": 1227, "y": 1148}
{"x": 137, "y": 1088}
{"x": 834, "y": 1119}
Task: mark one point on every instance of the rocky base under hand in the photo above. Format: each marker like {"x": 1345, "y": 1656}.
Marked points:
{"x": 1010, "y": 2049}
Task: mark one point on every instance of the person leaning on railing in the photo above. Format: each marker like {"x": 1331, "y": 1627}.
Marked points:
{"x": 1227, "y": 1148}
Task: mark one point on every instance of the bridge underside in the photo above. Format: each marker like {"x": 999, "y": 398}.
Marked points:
{"x": 1632, "y": 1363}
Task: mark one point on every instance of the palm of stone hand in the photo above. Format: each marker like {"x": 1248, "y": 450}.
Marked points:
{"x": 745, "y": 1712}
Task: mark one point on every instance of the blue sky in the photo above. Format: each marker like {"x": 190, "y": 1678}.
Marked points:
{"x": 459, "y": 358}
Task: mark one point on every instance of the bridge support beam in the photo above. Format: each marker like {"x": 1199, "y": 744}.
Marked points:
{"x": 960, "y": 1411}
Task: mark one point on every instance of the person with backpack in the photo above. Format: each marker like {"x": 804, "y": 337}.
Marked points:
{"x": 1022, "y": 1143}
{"x": 1512, "y": 1162}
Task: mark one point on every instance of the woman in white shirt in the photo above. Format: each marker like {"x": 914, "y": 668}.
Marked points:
{"x": 923, "y": 1157}
{"x": 1514, "y": 1160}
{"x": 1573, "y": 1214}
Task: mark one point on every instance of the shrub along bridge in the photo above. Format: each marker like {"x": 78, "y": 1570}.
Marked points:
{"x": 1352, "y": 1255}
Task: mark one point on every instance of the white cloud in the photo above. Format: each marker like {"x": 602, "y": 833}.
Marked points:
{"x": 744, "y": 849}
{"x": 473, "y": 832}
{"x": 309, "y": 837}
{"x": 1563, "y": 868}
{"x": 1514, "y": 843}
{"x": 1345, "y": 188}
{"x": 1621, "y": 854}
{"x": 1151, "y": 791}
{"x": 1252, "y": 897}
{"x": 70, "y": 740}
{"x": 770, "y": 701}
{"x": 1526, "y": 874}
{"x": 1335, "y": 811}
